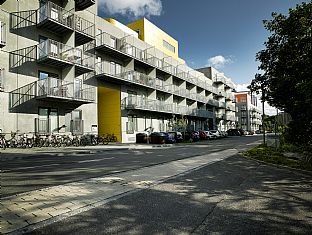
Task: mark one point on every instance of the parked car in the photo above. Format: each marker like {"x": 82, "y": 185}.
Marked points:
{"x": 234, "y": 132}
{"x": 217, "y": 133}
{"x": 210, "y": 136}
{"x": 169, "y": 137}
{"x": 195, "y": 135}
{"x": 158, "y": 138}
{"x": 203, "y": 135}
{"x": 177, "y": 135}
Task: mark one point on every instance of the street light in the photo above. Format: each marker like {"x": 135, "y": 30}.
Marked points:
{"x": 262, "y": 99}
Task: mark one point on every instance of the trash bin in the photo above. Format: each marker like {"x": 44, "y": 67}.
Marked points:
{"x": 158, "y": 138}
{"x": 141, "y": 138}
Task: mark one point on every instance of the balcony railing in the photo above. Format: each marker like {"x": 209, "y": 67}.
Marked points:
{"x": 60, "y": 53}
{"x": 229, "y": 117}
{"x": 56, "y": 17}
{"x": 84, "y": 30}
{"x": 52, "y": 88}
{"x": 142, "y": 103}
{"x": 106, "y": 40}
{"x": 58, "y": 50}
{"x": 2, "y": 34}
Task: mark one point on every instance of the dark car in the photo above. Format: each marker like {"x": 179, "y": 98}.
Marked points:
{"x": 203, "y": 135}
{"x": 234, "y": 132}
{"x": 177, "y": 135}
{"x": 169, "y": 137}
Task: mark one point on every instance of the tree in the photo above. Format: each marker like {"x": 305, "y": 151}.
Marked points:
{"x": 178, "y": 123}
{"x": 286, "y": 62}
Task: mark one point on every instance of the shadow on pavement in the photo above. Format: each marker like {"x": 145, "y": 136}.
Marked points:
{"x": 234, "y": 196}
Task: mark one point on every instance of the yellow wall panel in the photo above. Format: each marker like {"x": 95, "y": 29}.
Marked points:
{"x": 151, "y": 34}
{"x": 109, "y": 112}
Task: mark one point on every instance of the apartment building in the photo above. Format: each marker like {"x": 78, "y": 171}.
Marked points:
{"x": 63, "y": 68}
{"x": 43, "y": 65}
{"x": 249, "y": 116}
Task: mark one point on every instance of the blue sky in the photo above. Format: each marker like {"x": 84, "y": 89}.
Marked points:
{"x": 227, "y": 32}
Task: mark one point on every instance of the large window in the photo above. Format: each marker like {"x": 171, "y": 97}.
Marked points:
{"x": 168, "y": 46}
{"x": 132, "y": 124}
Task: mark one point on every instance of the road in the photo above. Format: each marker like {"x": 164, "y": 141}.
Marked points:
{"x": 227, "y": 194}
{"x": 29, "y": 170}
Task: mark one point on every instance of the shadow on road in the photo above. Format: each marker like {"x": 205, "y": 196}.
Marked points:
{"x": 234, "y": 196}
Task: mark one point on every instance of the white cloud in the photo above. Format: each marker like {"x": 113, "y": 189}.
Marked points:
{"x": 219, "y": 61}
{"x": 242, "y": 87}
{"x": 132, "y": 8}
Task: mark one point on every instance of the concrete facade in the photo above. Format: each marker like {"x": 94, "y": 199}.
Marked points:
{"x": 64, "y": 65}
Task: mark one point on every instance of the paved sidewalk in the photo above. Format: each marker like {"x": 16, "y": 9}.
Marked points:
{"x": 28, "y": 211}
{"x": 86, "y": 149}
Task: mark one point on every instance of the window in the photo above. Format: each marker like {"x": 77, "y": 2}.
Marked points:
{"x": 132, "y": 124}
{"x": 243, "y": 99}
{"x": 2, "y": 34}
{"x": 1, "y": 78}
{"x": 168, "y": 46}
{"x": 48, "y": 120}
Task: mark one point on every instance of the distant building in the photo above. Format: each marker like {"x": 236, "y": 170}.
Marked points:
{"x": 247, "y": 113}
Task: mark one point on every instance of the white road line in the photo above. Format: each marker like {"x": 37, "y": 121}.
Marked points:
{"x": 95, "y": 160}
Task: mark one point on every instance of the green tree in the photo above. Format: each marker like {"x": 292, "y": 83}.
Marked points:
{"x": 286, "y": 65}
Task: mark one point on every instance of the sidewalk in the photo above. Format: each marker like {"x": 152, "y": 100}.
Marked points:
{"x": 28, "y": 211}
{"x": 86, "y": 149}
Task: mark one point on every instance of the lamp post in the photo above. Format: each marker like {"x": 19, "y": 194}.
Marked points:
{"x": 263, "y": 127}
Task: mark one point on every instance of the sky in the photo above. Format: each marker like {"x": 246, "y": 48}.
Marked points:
{"x": 225, "y": 34}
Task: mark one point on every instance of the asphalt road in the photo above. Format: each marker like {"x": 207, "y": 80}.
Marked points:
{"x": 30, "y": 170}
{"x": 233, "y": 196}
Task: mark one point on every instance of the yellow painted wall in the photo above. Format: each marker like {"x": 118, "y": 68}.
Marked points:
{"x": 154, "y": 36}
{"x": 109, "y": 112}
{"x": 122, "y": 27}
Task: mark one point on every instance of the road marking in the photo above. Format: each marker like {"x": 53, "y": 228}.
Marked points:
{"x": 95, "y": 160}
{"x": 32, "y": 167}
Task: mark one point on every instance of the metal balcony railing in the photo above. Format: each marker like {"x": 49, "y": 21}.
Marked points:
{"x": 84, "y": 26}
{"x": 2, "y": 34}
{"x": 56, "y": 50}
{"x": 51, "y": 11}
{"x": 52, "y": 88}
{"x": 229, "y": 117}
{"x": 142, "y": 103}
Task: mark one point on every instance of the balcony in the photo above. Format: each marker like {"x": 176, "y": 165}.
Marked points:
{"x": 218, "y": 79}
{"x": 83, "y": 4}
{"x": 221, "y": 105}
{"x": 84, "y": 62}
{"x": 84, "y": 31}
{"x": 58, "y": 54}
{"x": 141, "y": 103}
{"x": 52, "y": 89}
{"x": 229, "y": 117}
{"x": 57, "y": 89}
{"x": 55, "y": 19}
{"x": 2, "y": 34}
{"x": 213, "y": 102}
